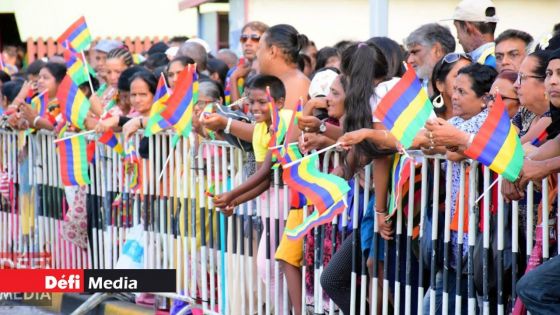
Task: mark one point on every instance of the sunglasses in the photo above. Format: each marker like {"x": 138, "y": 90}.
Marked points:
{"x": 522, "y": 77}
{"x": 454, "y": 57}
{"x": 253, "y": 37}
{"x": 491, "y": 98}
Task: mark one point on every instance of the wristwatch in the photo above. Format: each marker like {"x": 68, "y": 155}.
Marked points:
{"x": 322, "y": 127}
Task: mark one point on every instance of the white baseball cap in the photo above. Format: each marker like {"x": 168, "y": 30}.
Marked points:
{"x": 321, "y": 83}
{"x": 475, "y": 11}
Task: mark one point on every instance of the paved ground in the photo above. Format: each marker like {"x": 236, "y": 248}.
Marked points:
{"x": 13, "y": 309}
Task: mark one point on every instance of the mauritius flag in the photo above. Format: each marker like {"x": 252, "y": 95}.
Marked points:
{"x": 132, "y": 167}
{"x": 325, "y": 191}
{"x": 77, "y": 37}
{"x": 40, "y": 103}
{"x": 74, "y": 105}
{"x": 497, "y": 144}
{"x": 293, "y": 122}
{"x": 110, "y": 139}
{"x": 179, "y": 109}
{"x": 291, "y": 154}
{"x": 76, "y": 68}
{"x": 73, "y": 161}
{"x": 156, "y": 123}
{"x": 278, "y": 127}
{"x": 405, "y": 108}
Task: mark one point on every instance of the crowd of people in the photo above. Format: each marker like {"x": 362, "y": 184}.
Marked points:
{"x": 340, "y": 87}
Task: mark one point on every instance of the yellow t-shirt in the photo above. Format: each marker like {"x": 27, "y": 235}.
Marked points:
{"x": 261, "y": 136}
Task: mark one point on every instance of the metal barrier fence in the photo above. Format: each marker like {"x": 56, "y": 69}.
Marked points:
{"x": 216, "y": 257}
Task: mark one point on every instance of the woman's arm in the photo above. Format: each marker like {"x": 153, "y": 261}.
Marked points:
{"x": 33, "y": 118}
{"x": 536, "y": 129}
{"x": 241, "y": 71}
{"x": 312, "y": 124}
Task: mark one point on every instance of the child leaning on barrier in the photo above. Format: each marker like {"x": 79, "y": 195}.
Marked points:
{"x": 261, "y": 181}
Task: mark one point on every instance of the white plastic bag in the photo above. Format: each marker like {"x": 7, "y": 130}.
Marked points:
{"x": 132, "y": 256}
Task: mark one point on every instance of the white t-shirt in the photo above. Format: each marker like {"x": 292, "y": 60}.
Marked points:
{"x": 380, "y": 91}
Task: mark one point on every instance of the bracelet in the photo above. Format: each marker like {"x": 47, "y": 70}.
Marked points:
{"x": 228, "y": 125}
{"x": 35, "y": 121}
{"x": 381, "y": 212}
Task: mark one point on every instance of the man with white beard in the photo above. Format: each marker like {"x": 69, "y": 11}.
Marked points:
{"x": 426, "y": 46}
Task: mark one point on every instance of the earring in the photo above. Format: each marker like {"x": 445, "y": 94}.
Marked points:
{"x": 483, "y": 106}
{"x": 438, "y": 101}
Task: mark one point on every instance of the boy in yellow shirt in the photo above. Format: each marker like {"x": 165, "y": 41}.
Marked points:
{"x": 289, "y": 251}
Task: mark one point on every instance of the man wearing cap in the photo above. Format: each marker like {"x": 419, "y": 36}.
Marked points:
{"x": 99, "y": 56}
{"x": 476, "y": 21}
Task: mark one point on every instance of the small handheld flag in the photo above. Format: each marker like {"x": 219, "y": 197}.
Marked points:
{"x": 75, "y": 67}
{"x": 538, "y": 141}
{"x": 77, "y": 37}
{"x": 497, "y": 144}
{"x": 405, "y": 108}
{"x": 73, "y": 161}
{"x": 40, "y": 103}
{"x": 324, "y": 191}
{"x": 132, "y": 167}
{"x": 109, "y": 138}
{"x": 294, "y": 121}
{"x": 156, "y": 123}
{"x": 74, "y": 105}
{"x": 179, "y": 109}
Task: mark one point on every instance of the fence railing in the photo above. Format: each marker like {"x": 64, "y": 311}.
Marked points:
{"x": 220, "y": 266}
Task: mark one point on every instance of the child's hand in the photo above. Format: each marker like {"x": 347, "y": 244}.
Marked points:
{"x": 228, "y": 211}
{"x": 385, "y": 227}
{"x": 223, "y": 200}
{"x": 214, "y": 122}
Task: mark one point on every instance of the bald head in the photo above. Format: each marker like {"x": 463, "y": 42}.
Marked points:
{"x": 227, "y": 56}
{"x": 196, "y": 52}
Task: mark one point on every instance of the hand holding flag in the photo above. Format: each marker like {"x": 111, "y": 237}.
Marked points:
{"x": 405, "y": 108}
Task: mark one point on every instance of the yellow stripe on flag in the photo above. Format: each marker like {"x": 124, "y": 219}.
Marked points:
{"x": 505, "y": 155}
{"x": 408, "y": 115}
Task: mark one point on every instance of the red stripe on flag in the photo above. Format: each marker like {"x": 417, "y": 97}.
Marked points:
{"x": 487, "y": 129}
{"x": 64, "y": 37}
{"x": 184, "y": 82}
{"x": 395, "y": 93}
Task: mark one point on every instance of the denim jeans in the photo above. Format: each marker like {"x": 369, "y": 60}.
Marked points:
{"x": 452, "y": 293}
{"x": 539, "y": 289}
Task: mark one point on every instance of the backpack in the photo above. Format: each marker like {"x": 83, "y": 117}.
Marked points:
{"x": 239, "y": 116}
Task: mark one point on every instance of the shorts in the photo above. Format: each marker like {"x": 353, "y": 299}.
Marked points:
{"x": 291, "y": 251}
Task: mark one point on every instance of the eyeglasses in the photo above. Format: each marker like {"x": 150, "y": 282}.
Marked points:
{"x": 491, "y": 98}
{"x": 253, "y": 37}
{"x": 521, "y": 77}
{"x": 454, "y": 57}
